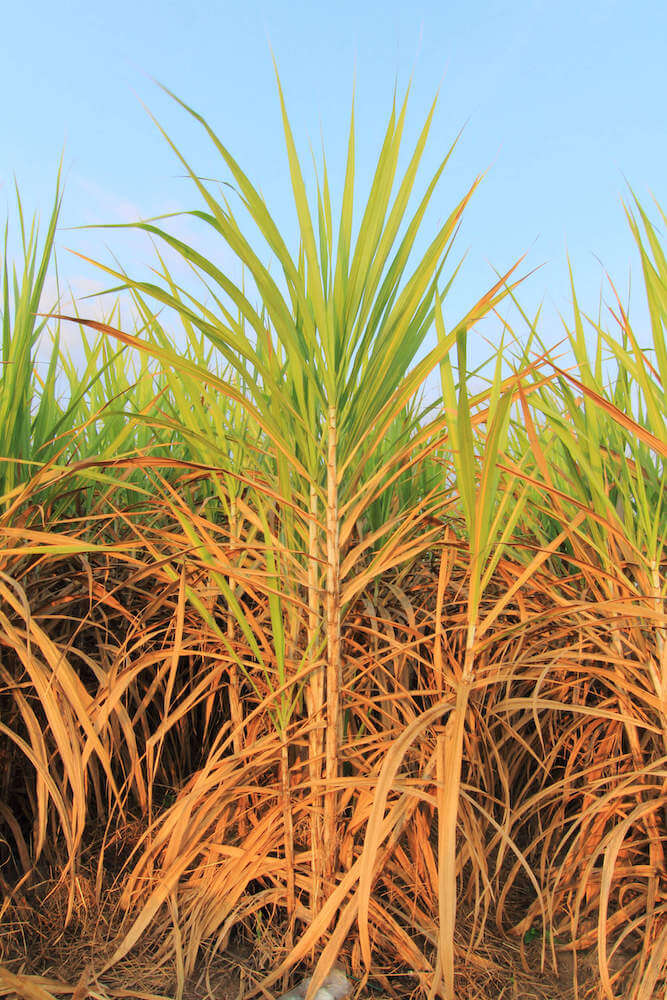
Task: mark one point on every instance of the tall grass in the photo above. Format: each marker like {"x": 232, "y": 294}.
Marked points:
{"x": 333, "y": 668}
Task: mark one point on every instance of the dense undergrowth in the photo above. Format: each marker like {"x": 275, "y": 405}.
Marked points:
{"x": 294, "y": 660}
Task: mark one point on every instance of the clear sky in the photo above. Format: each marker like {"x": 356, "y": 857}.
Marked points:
{"x": 563, "y": 101}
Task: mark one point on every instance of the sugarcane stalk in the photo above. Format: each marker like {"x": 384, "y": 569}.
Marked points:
{"x": 333, "y": 687}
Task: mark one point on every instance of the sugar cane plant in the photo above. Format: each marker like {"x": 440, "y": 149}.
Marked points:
{"x": 339, "y": 668}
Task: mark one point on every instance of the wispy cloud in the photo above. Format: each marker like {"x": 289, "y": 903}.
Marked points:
{"x": 82, "y": 295}
{"x": 101, "y": 204}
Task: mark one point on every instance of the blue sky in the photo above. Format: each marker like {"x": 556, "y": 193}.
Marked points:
{"x": 562, "y": 101}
